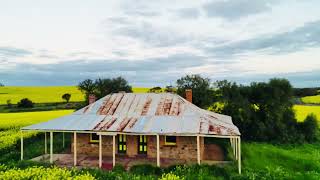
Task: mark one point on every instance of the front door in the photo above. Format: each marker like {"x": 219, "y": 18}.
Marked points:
{"x": 122, "y": 144}
{"x": 142, "y": 144}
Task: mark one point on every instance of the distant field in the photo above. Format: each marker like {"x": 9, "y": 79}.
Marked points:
{"x": 39, "y": 94}
{"x": 10, "y": 120}
{"x": 302, "y": 111}
{"x": 311, "y": 99}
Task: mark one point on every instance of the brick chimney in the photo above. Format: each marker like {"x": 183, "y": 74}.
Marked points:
{"x": 92, "y": 98}
{"x": 188, "y": 95}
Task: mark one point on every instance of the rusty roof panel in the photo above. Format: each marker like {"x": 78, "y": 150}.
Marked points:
{"x": 144, "y": 113}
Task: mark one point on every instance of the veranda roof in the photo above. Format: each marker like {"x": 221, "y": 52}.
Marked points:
{"x": 158, "y": 113}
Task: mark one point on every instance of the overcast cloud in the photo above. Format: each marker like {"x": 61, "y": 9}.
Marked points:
{"x": 152, "y": 43}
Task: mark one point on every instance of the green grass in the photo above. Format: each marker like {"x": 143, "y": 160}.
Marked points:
{"x": 41, "y": 94}
{"x": 311, "y": 99}
{"x": 302, "y": 111}
{"x": 293, "y": 158}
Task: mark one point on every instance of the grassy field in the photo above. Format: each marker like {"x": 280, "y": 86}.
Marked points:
{"x": 302, "y": 111}
{"x": 311, "y": 99}
{"x": 48, "y": 94}
{"x": 260, "y": 160}
{"x": 12, "y": 120}
{"x": 39, "y": 94}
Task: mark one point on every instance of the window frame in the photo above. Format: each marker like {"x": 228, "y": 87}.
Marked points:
{"x": 170, "y": 143}
{"x": 122, "y": 144}
{"x": 142, "y": 142}
{"x": 94, "y": 140}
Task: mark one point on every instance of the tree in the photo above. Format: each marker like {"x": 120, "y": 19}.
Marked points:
{"x": 310, "y": 128}
{"x": 201, "y": 90}
{"x": 263, "y": 111}
{"x": 87, "y": 86}
{"x": 170, "y": 89}
{"x": 102, "y": 87}
{"x": 1, "y": 85}
{"x": 66, "y": 97}
{"x": 9, "y": 104}
{"x": 156, "y": 89}
{"x": 25, "y": 103}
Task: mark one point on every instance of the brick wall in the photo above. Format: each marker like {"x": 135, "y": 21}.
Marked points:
{"x": 186, "y": 147}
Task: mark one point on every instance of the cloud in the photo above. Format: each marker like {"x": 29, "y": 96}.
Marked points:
{"x": 306, "y": 36}
{"x": 6, "y": 52}
{"x": 235, "y": 9}
{"x": 189, "y": 13}
{"x": 147, "y": 72}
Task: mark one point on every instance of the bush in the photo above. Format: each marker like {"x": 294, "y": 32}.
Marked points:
{"x": 310, "y": 128}
{"x": 25, "y": 103}
{"x": 118, "y": 168}
{"x": 145, "y": 169}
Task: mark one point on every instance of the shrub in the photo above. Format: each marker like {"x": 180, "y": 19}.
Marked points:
{"x": 25, "y": 103}
{"x": 118, "y": 168}
{"x": 145, "y": 169}
{"x": 310, "y": 128}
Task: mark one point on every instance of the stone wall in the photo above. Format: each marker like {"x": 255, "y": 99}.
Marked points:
{"x": 186, "y": 147}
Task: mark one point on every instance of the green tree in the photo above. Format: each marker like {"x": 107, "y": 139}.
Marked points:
{"x": 170, "y": 89}
{"x": 262, "y": 111}
{"x": 310, "y": 128}
{"x": 66, "y": 97}
{"x": 156, "y": 89}
{"x": 87, "y": 87}
{"x": 201, "y": 90}
{"x": 102, "y": 87}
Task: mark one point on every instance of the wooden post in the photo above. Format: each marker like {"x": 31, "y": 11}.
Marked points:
{"x": 114, "y": 151}
{"x": 239, "y": 154}
{"x": 198, "y": 149}
{"x": 45, "y": 143}
{"x": 75, "y": 148}
{"x": 158, "y": 150}
{"x": 51, "y": 147}
{"x": 100, "y": 151}
{"x": 236, "y": 148}
{"x": 63, "y": 140}
{"x": 21, "y": 146}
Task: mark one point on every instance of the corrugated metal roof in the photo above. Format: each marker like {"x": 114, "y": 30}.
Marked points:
{"x": 143, "y": 113}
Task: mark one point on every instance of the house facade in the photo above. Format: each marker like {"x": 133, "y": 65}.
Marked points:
{"x": 152, "y": 125}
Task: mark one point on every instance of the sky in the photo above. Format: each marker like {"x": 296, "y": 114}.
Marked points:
{"x": 153, "y": 43}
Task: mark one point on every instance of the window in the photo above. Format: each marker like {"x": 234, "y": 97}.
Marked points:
{"x": 94, "y": 138}
{"x": 122, "y": 143}
{"x": 142, "y": 144}
{"x": 170, "y": 140}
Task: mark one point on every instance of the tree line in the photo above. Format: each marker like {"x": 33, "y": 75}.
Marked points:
{"x": 263, "y": 111}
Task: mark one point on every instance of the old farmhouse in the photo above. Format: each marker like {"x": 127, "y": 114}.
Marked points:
{"x": 159, "y": 128}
